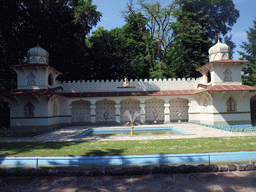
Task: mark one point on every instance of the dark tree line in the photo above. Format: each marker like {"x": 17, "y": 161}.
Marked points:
{"x": 156, "y": 41}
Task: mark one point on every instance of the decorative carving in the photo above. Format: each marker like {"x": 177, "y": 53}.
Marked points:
{"x": 231, "y": 105}
{"x": 176, "y": 105}
{"x": 227, "y": 74}
{"x": 125, "y": 82}
{"x": 31, "y": 79}
{"x": 29, "y": 109}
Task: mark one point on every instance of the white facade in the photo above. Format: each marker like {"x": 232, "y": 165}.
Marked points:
{"x": 216, "y": 98}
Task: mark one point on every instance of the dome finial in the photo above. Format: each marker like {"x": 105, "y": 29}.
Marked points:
{"x": 218, "y": 38}
{"x": 38, "y": 40}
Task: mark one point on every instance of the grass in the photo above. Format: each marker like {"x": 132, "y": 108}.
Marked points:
{"x": 131, "y": 147}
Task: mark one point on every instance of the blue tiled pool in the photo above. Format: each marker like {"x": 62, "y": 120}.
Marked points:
{"x": 160, "y": 130}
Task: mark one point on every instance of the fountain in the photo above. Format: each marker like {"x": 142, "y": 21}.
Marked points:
{"x": 131, "y": 119}
{"x": 179, "y": 115}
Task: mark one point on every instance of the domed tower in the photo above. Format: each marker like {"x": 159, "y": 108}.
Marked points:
{"x": 38, "y": 55}
{"x": 36, "y": 73}
{"x": 221, "y": 69}
{"x": 220, "y": 51}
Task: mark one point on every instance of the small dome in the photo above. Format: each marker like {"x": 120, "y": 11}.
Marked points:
{"x": 219, "y": 51}
{"x": 38, "y": 55}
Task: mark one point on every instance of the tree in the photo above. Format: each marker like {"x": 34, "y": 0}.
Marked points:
{"x": 190, "y": 47}
{"x": 197, "y": 25}
{"x": 249, "y": 69}
{"x": 221, "y": 15}
{"x": 62, "y": 25}
{"x": 159, "y": 38}
{"x": 120, "y": 51}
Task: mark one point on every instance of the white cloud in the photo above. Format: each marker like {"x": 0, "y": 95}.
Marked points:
{"x": 241, "y": 34}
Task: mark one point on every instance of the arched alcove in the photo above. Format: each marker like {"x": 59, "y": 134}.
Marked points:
{"x": 29, "y": 109}
{"x": 179, "y": 106}
{"x": 105, "y": 111}
{"x": 132, "y": 107}
{"x": 81, "y": 111}
{"x": 154, "y": 109}
{"x": 50, "y": 80}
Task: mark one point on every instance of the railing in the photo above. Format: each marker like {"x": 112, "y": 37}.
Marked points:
{"x": 123, "y": 161}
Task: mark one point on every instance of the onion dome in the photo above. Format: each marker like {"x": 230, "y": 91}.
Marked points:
{"x": 38, "y": 55}
{"x": 220, "y": 51}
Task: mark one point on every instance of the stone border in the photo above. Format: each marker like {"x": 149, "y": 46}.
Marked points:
{"x": 127, "y": 171}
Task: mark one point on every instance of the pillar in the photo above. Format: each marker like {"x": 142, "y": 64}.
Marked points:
{"x": 93, "y": 112}
{"x": 118, "y": 112}
{"x": 167, "y": 111}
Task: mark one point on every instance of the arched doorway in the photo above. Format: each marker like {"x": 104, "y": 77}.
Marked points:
{"x": 81, "y": 111}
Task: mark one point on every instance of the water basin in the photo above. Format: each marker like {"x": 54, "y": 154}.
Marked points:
{"x": 127, "y": 131}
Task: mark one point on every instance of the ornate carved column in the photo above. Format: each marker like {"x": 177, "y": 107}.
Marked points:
{"x": 166, "y": 111}
{"x": 142, "y": 113}
{"x": 118, "y": 112}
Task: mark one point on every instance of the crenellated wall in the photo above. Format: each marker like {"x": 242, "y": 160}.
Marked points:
{"x": 140, "y": 85}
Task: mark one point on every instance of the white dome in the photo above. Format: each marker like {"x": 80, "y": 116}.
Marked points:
{"x": 219, "y": 51}
{"x": 38, "y": 55}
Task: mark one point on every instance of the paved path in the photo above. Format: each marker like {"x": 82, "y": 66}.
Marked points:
{"x": 71, "y": 133}
{"x": 193, "y": 182}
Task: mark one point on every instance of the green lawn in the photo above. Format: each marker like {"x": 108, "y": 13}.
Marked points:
{"x": 131, "y": 147}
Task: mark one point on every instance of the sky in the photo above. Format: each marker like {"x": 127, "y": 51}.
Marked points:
{"x": 112, "y": 18}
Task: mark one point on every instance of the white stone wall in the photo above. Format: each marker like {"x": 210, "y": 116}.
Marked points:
{"x": 141, "y": 85}
{"x": 217, "y": 75}
{"x": 17, "y": 112}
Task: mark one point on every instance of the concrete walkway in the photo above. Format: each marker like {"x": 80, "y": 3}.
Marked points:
{"x": 71, "y": 134}
{"x": 193, "y": 182}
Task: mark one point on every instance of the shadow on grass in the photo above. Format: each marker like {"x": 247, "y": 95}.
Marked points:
{"x": 15, "y": 148}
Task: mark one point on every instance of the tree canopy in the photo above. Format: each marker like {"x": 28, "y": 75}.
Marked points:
{"x": 158, "y": 37}
{"x": 249, "y": 54}
{"x": 62, "y": 25}
{"x": 196, "y": 27}
{"x": 120, "y": 51}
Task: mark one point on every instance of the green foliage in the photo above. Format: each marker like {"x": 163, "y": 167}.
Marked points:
{"x": 190, "y": 48}
{"x": 198, "y": 21}
{"x": 120, "y": 51}
{"x": 249, "y": 69}
{"x": 157, "y": 35}
{"x": 62, "y": 25}
{"x": 215, "y": 16}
